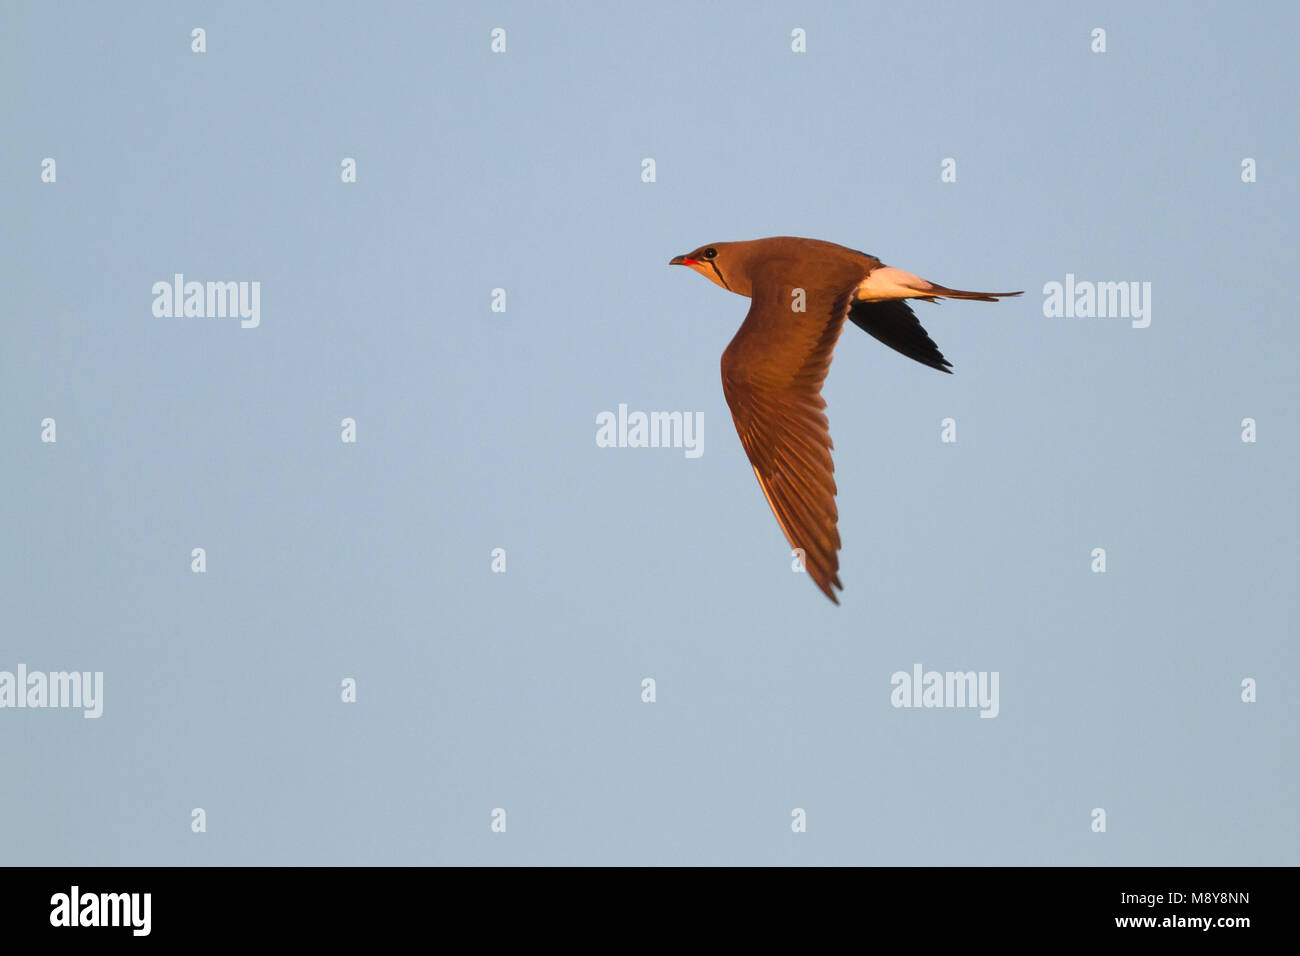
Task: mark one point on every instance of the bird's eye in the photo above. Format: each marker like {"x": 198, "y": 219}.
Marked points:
{"x": 710, "y": 253}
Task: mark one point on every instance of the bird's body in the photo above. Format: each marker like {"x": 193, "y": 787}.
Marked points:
{"x": 802, "y": 290}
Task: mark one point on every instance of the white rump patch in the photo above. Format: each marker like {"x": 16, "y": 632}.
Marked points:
{"x": 889, "y": 283}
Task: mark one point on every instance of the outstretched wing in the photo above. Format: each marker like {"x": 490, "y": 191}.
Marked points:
{"x": 772, "y": 374}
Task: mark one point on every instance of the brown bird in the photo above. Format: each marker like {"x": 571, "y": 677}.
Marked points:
{"x": 772, "y": 372}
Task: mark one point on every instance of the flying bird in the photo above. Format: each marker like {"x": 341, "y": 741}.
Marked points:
{"x": 802, "y": 290}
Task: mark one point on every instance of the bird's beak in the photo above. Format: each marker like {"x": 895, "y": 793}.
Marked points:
{"x": 682, "y": 261}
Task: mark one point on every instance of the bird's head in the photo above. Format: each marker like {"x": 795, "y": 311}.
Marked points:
{"x": 717, "y": 263}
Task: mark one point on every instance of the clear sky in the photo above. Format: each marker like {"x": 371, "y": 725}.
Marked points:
{"x": 523, "y": 171}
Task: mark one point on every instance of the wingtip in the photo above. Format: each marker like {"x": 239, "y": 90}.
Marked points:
{"x": 829, "y": 589}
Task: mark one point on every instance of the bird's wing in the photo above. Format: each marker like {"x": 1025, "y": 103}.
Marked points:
{"x": 893, "y": 322}
{"x": 772, "y": 374}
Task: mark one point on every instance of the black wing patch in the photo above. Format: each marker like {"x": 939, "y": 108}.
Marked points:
{"x": 894, "y": 323}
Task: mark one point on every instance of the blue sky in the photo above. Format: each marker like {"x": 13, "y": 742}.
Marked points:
{"x": 476, "y": 430}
